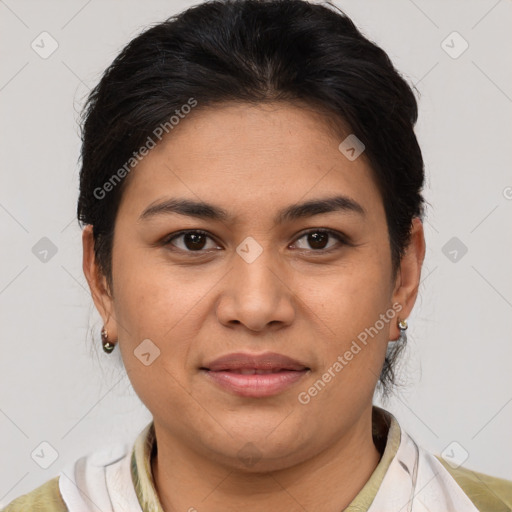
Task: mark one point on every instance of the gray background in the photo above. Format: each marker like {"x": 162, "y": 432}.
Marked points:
{"x": 58, "y": 386}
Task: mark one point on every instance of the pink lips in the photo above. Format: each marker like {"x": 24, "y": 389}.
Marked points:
{"x": 255, "y": 375}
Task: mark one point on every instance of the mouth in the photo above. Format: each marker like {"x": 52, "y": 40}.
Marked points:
{"x": 256, "y": 371}
{"x": 254, "y": 375}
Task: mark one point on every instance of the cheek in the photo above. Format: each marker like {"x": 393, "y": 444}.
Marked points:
{"x": 149, "y": 299}
{"x": 350, "y": 304}
{"x": 157, "y": 303}
{"x": 155, "y": 317}
{"x": 353, "y": 353}
{"x": 352, "y": 297}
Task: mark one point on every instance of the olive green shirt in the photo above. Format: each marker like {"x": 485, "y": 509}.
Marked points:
{"x": 488, "y": 494}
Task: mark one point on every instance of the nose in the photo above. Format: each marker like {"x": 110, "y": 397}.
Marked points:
{"x": 256, "y": 294}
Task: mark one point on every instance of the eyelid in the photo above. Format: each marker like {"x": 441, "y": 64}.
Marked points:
{"x": 340, "y": 237}
{"x": 169, "y": 238}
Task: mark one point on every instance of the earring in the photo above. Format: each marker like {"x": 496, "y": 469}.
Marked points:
{"x": 107, "y": 346}
{"x": 402, "y": 325}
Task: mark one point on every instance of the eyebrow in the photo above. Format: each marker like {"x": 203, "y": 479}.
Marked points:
{"x": 202, "y": 210}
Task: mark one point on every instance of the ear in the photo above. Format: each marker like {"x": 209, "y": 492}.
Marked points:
{"x": 100, "y": 292}
{"x": 408, "y": 275}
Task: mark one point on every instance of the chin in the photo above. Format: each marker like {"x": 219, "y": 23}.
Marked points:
{"x": 259, "y": 454}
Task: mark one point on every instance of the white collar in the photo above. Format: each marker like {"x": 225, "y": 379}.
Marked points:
{"x": 415, "y": 481}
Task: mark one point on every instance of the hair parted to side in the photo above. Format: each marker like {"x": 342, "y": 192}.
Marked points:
{"x": 254, "y": 51}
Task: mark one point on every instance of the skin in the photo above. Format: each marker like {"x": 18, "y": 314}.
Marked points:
{"x": 296, "y": 299}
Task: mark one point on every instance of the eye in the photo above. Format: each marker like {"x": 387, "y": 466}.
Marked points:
{"x": 196, "y": 240}
{"x": 318, "y": 239}
{"x": 192, "y": 240}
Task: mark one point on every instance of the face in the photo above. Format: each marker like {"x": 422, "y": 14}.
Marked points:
{"x": 262, "y": 276}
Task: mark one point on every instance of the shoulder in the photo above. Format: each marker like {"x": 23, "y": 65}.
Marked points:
{"x": 45, "y": 498}
{"x": 488, "y": 493}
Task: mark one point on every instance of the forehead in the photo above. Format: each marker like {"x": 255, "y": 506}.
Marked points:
{"x": 251, "y": 156}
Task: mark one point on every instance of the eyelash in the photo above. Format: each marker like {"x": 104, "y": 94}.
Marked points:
{"x": 338, "y": 236}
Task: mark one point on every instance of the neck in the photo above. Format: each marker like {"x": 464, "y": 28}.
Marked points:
{"x": 327, "y": 482}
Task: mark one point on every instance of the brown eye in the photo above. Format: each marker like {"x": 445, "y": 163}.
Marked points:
{"x": 318, "y": 239}
{"x": 191, "y": 241}
{"x": 194, "y": 241}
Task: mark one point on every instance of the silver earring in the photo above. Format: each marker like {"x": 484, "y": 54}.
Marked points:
{"x": 402, "y": 325}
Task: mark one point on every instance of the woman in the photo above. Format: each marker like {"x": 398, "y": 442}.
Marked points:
{"x": 251, "y": 194}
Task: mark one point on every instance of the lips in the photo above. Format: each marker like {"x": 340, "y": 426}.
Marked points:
{"x": 255, "y": 375}
{"x": 268, "y": 362}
